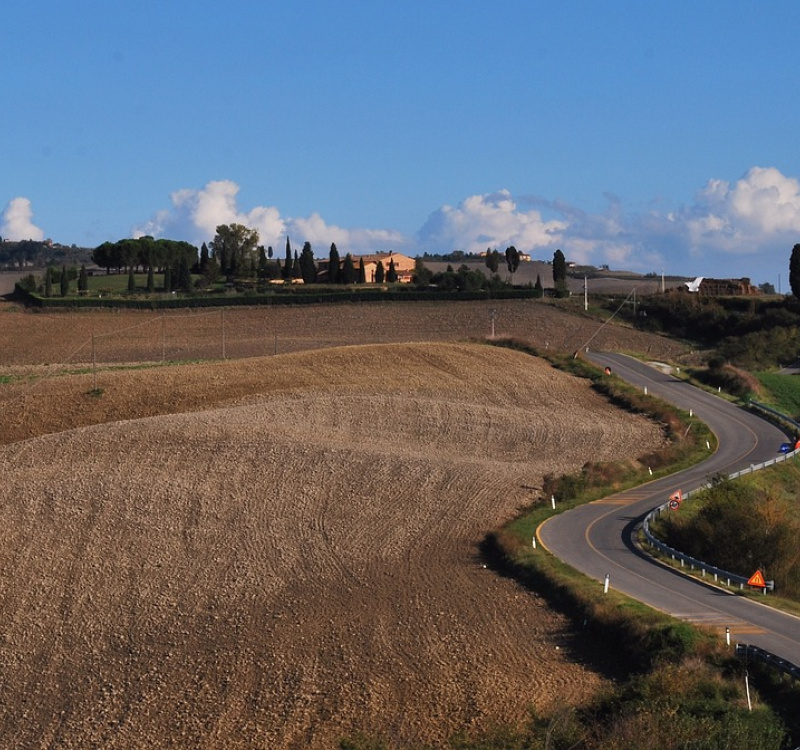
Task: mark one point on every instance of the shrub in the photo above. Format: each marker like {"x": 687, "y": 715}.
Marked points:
{"x": 741, "y": 529}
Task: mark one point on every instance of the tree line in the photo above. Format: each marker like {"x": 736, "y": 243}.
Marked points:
{"x": 26, "y": 253}
{"x": 236, "y": 257}
{"x": 512, "y": 257}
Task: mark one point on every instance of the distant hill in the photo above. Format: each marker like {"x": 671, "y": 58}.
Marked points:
{"x": 600, "y": 280}
{"x": 32, "y": 254}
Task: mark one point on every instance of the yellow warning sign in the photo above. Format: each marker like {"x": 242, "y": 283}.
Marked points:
{"x": 757, "y": 580}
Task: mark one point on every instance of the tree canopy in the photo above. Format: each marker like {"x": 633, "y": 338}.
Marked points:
{"x": 235, "y": 248}
{"x": 512, "y": 259}
{"x": 144, "y": 252}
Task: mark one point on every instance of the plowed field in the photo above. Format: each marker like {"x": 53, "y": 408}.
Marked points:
{"x": 285, "y": 552}
{"x": 51, "y": 337}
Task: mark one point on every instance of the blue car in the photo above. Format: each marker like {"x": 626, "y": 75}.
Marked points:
{"x": 786, "y": 448}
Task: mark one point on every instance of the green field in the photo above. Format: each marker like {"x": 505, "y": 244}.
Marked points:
{"x": 117, "y": 283}
{"x": 782, "y": 391}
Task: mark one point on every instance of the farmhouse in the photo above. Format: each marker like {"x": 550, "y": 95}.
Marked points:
{"x": 403, "y": 265}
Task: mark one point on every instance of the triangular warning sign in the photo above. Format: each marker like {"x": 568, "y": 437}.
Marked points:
{"x": 677, "y": 495}
{"x": 757, "y": 580}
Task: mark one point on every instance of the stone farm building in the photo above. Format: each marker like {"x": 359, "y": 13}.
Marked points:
{"x": 403, "y": 265}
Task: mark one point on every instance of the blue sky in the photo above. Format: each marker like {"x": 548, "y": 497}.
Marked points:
{"x": 646, "y": 135}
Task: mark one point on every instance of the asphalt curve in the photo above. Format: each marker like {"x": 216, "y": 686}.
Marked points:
{"x": 598, "y": 538}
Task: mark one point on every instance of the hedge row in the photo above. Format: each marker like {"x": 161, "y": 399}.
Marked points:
{"x": 288, "y": 297}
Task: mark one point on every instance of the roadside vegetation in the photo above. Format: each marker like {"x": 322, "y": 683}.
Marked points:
{"x": 743, "y": 525}
{"x": 749, "y": 332}
{"x": 677, "y": 686}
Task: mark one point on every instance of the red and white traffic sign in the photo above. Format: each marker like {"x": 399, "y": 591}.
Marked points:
{"x": 675, "y": 500}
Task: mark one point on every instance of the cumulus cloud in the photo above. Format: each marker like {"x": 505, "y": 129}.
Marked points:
{"x": 535, "y": 226}
{"x": 761, "y": 208}
{"x": 739, "y": 228}
{"x": 18, "y": 221}
{"x": 489, "y": 220}
{"x": 195, "y": 215}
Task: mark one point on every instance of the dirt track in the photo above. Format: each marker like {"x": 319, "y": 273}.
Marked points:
{"x": 292, "y": 564}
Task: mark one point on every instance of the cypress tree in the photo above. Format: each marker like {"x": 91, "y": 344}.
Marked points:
{"x": 794, "y": 271}
{"x": 48, "y": 282}
{"x": 183, "y": 276}
{"x": 64, "y": 282}
{"x": 204, "y": 258}
{"x": 362, "y": 272}
{"x": 379, "y": 273}
{"x": 391, "y": 274}
{"x": 333, "y": 264}
{"x": 559, "y": 272}
{"x": 348, "y": 275}
{"x": 83, "y": 280}
{"x": 287, "y": 266}
{"x": 308, "y": 268}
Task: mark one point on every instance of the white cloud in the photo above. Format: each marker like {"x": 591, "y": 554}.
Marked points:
{"x": 489, "y": 220}
{"x": 196, "y": 214}
{"x": 17, "y": 221}
{"x": 761, "y": 208}
{"x": 745, "y": 227}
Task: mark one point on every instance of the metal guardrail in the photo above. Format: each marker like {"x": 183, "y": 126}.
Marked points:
{"x": 720, "y": 576}
{"x": 774, "y": 413}
{"x": 745, "y": 651}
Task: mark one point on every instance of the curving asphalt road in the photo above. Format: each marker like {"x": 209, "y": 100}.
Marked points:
{"x": 597, "y": 538}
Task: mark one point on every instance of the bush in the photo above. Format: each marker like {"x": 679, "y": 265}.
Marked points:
{"x": 741, "y": 529}
{"x": 718, "y": 375}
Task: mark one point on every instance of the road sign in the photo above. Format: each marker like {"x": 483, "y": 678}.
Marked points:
{"x": 675, "y": 500}
{"x": 757, "y": 580}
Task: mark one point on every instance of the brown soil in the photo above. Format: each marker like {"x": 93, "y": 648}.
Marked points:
{"x": 32, "y": 337}
{"x": 286, "y": 555}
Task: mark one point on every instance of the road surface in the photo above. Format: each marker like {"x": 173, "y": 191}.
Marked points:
{"x": 598, "y": 538}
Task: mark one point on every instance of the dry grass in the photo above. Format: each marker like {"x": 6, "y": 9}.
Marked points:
{"x": 287, "y": 553}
